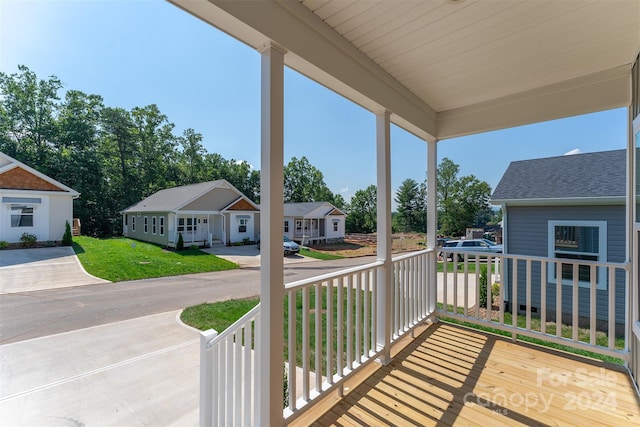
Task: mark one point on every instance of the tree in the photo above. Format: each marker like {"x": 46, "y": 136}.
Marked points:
{"x": 362, "y": 211}
{"x": 338, "y": 201}
{"x": 304, "y": 183}
{"x": 411, "y": 215}
{"x": 156, "y": 149}
{"x": 192, "y": 157}
{"x": 28, "y": 108}
{"x": 460, "y": 200}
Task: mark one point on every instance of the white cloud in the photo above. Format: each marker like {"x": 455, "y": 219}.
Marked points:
{"x": 572, "y": 152}
{"x": 344, "y": 190}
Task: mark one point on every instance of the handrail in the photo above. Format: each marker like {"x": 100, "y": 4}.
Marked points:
{"x": 234, "y": 327}
{"x": 312, "y": 280}
{"x": 412, "y": 254}
{"x": 622, "y": 265}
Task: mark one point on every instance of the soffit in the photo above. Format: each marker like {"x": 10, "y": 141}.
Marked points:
{"x": 446, "y": 68}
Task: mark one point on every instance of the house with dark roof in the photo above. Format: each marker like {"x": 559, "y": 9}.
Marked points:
{"x": 205, "y": 213}
{"x": 32, "y": 202}
{"x": 570, "y": 207}
{"x": 314, "y": 222}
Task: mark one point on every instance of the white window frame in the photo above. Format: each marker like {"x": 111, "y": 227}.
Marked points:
{"x": 22, "y": 215}
{"x": 601, "y": 279}
{"x": 335, "y": 226}
{"x": 161, "y": 221}
{"x": 146, "y": 224}
{"x": 243, "y": 222}
{"x": 154, "y": 225}
{"x": 133, "y": 223}
{"x": 286, "y": 226}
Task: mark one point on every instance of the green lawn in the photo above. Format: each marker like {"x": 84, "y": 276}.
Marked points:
{"x": 119, "y": 259}
{"x": 221, "y": 315}
{"x": 318, "y": 255}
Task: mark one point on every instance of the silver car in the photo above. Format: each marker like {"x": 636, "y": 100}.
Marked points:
{"x": 471, "y": 245}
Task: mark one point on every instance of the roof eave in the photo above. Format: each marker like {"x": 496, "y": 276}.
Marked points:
{"x": 564, "y": 201}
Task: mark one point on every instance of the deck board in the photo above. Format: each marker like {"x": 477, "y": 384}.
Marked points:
{"x": 450, "y": 375}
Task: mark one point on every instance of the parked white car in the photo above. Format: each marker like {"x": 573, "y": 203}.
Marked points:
{"x": 470, "y": 246}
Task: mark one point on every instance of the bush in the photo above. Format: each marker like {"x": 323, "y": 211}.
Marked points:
{"x": 180, "y": 245}
{"x": 483, "y": 286}
{"x": 194, "y": 247}
{"x": 28, "y": 240}
{"x": 67, "y": 237}
{"x": 3, "y": 244}
{"x": 286, "y": 388}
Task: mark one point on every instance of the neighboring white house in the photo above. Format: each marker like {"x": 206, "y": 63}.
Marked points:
{"x": 314, "y": 222}
{"x": 203, "y": 213}
{"x": 33, "y": 203}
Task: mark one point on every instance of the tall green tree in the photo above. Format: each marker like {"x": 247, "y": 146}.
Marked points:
{"x": 460, "y": 199}
{"x": 28, "y": 108}
{"x": 192, "y": 157}
{"x": 80, "y": 162}
{"x": 411, "y": 215}
{"x": 156, "y": 149}
{"x": 362, "y": 211}
{"x": 303, "y": 182}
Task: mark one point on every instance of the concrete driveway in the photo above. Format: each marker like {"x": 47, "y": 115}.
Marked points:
{"x": 249, "y": 255}
{"x": 138, "y": 372}
{"x": 24, "y": 270}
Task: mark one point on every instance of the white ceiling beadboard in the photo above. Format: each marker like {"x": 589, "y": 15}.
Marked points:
{"x": 453, "y": 54}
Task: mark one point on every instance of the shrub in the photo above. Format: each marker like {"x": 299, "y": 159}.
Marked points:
{"x": 67, "y": 237}
{"x": 28, "y": 240}
{"x": 194, "y": 247}
{"x": 3, "y": 244}
{"x": 483, "y": 286}
{"x": 180, "y": 245}
{"x": 286, "y": 388}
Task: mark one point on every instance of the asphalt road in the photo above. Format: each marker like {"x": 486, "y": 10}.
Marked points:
{"x": 40, "y": 313}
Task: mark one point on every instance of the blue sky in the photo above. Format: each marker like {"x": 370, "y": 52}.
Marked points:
{"x": 136, "y": 53}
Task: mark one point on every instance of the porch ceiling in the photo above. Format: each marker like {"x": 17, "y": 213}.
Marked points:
{"x": 447, "y": 68}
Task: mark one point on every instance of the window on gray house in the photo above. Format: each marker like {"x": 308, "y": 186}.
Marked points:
{"x": 578, "y": 241}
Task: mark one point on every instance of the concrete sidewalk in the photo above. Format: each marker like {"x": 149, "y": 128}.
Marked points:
{"x": 24, "y": 270}
{"x": 143, "y": 371}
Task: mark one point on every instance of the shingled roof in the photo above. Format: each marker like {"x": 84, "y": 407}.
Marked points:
{"x": 600, "y": 175}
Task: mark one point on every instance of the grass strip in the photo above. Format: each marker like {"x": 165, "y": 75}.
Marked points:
{"x": 119, "y": 259}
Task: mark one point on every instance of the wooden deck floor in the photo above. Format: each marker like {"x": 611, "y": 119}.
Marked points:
{"x": 451, "y": 375}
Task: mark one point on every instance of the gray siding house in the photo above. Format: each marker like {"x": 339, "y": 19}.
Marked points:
{"x": 204, "y": 213}
{"x": 570, "y": 207}
{"x": 315, "y": 222}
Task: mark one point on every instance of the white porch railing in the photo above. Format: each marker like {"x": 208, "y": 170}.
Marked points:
{"x": 583, "y": 309}
{"x": 228, "y": 373}
{"x": 332, "y": 337}
{"x": 331, "y": 322}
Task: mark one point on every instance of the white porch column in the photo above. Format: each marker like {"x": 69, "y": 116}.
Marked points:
{"x": 385, "y": 273}
{"x": 432, "y": 221}
{"x": 271, "y": 356}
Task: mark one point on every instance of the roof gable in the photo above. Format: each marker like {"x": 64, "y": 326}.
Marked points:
{"x": 176, "y": 198}
{"x": 581, "y": 176}
{"x": 309, "y": 209}
{"x": 15, "y": 175}
{"x": 242, "y": 204}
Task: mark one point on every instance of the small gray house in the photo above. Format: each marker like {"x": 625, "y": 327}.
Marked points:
{"x": 315, "y": 222}
{"x": 570, "y": 207}
{"x": 203, "y": 213}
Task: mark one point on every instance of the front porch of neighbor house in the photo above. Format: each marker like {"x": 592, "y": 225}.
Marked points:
{"x": 439, "y": 70}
